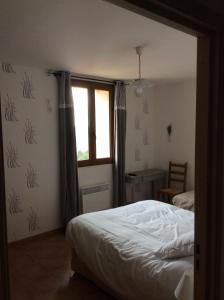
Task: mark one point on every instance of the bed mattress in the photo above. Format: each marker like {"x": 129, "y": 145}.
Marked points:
{"x": 119, "y": 246}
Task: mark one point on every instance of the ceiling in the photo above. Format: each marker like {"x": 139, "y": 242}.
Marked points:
{"x": 93, "y": 37}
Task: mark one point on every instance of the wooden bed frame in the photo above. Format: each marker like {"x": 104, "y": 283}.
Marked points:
{"x": 78, "y": 266}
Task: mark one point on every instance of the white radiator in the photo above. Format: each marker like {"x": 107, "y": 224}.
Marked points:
{"x": 96, "y": 197}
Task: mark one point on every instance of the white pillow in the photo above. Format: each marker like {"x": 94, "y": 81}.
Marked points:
{"x": 185, "y": 200}
{"x": 180, "y": 247}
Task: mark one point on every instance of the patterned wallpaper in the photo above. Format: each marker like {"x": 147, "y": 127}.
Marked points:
{"x": 139, "y": 138}
{"x": 29, "y": 115}
{"x": 140, "y": 128}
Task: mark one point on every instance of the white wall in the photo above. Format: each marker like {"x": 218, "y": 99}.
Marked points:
{"x": 32, "y": 207}
{"x": 149, "y": 116}
{"x": 176, "y": 104}
{"x": 36, "y": 209}
{"x": 140, "y": 139}
{"x": 33, "y": 210}
{"x": 140, "y": 130}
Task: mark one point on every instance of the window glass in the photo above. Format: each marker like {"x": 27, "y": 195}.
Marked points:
{"x": 80, "y": 98}
{"x": 102, "y": 121}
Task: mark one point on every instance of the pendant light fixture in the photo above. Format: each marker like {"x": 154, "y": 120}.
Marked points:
{"x": 139, "y": 84}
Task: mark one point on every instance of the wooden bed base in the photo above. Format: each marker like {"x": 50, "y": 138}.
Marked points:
{"x": 78, "y": 266}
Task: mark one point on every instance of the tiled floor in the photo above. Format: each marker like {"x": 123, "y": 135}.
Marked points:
{"x": 40, "y": 270}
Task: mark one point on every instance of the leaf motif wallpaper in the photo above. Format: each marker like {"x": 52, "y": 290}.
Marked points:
{"x": 140, "y": 128}
{"x": 30, "y": 141}
{"x": 139, "y": 138}
{"x": 147, "y": 145}
{"x": 30, "y": 133}
{"x": 7, "y": 67}
{"x": 145, "y": 137}
{"x": 33, "y": 220}
{"x": 11, "y": 155}
{"x": 9, "y": 109}
{"x": 14, "y": 202}
{"x": 31, "y": 177}
{"x": 27, "y": 85}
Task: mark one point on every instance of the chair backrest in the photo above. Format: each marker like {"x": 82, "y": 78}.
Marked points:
{"x": 177, "y": 174}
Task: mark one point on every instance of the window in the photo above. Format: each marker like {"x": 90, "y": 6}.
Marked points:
{"x": 93, "y": 109}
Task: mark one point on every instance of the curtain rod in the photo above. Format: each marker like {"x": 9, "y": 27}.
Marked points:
{"x": 85, "y": 78}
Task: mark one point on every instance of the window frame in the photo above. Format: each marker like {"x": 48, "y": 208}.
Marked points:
{"x": 92, "y": 86}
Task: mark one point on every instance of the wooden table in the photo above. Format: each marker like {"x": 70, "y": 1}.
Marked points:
{"x": 146, "y": 176}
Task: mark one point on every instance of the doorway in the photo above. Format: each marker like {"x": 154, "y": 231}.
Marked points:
{"x": 204, "y": 165}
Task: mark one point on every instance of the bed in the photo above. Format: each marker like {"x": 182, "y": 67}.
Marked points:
{"x": 120, "y": 249}
{"x": 184, "y": 200}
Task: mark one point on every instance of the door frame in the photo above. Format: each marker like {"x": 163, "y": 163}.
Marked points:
{"x": 196, "y": 19}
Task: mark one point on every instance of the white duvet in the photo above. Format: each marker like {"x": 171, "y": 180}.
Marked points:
{"x": 119, "y": 245}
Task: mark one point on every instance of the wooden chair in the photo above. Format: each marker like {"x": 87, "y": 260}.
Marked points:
{"x": 177, "y": 174}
